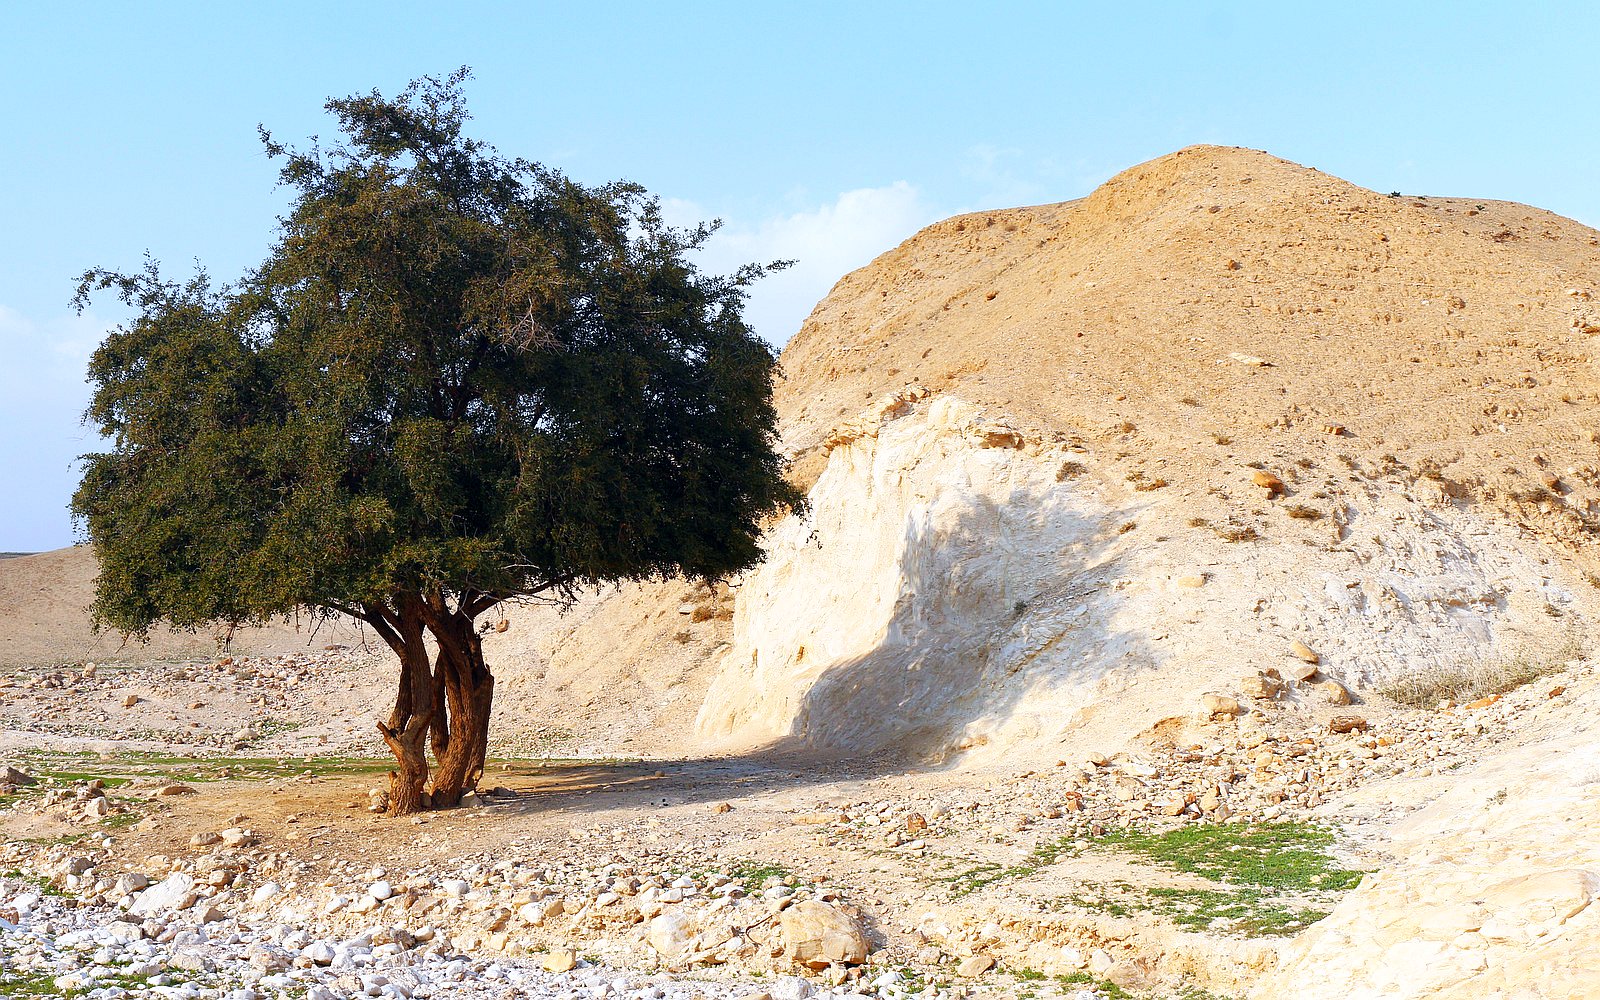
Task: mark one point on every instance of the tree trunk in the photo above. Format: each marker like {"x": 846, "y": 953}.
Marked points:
{"x": 406, "y": 731}
{"x": 406, "y": 784}
{"x": 469, "y": 697}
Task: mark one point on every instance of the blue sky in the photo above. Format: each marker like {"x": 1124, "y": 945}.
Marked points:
{"x": 825, "y": 132}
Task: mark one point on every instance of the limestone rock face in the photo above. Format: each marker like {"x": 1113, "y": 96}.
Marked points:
{"x": 926, "y": 542}
{"x": 818, "y": 935}
{"x": 949, "y": 591}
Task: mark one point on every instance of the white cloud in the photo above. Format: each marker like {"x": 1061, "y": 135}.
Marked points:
{"x": 826, "y": 243}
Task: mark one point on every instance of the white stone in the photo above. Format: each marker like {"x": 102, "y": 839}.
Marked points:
{"x": 175, "y": 892}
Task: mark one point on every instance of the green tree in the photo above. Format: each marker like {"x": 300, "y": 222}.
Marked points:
{"x": 456, "y": 380}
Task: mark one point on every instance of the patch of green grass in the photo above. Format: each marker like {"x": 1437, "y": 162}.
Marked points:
{"x": 911, "y": 981}
{"x": 124, "y": 981}
{"x": 756, "y": 873}
{"x": 1028, "y": 975}
{"x": 38, "y": 882}
{"x": 210, "y": 768}
{"x": 983, "y": 875}
{"x": 68, "y": 777}
{"x": 1290, "y": 855}
{"x": 120, "y": 821}
{"x": 1112, "y": 900}
{"x": 1248, "y": 912}
{"x": 276, "y": 727}
{"x": 1094, "y": 982}
{"x": 28, "y": 984}
{"x": 118, "y": 770}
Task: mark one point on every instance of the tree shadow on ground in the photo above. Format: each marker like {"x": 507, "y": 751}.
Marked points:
{"x": 1006, "y": 606}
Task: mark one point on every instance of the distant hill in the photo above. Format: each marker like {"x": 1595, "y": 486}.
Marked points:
{"x": 47, "y": 595}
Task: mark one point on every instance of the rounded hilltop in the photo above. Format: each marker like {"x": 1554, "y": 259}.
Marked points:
{"x": 1453, "y": 334}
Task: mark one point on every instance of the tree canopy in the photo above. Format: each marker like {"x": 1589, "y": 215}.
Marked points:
{"x": 455, "y": 380}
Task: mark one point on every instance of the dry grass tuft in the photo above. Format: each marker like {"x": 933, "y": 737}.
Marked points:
{"x": 1301, "y": 512}
{"x": 1237, "y": 533}
{"x": 1473, "y": 679}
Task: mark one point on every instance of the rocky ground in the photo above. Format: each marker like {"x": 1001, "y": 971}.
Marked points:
{"x": 205, "y": 828}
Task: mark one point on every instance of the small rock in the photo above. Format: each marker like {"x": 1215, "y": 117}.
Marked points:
{"x": 1346, "y": 723}
{"x": 790, "y": 988}
{"x": 560, "y": 960}
{"x": 1301, "y": 673}
{"x": 975, "y": 966}
{"x": 170, "y": 790}
{"x": 1219, "y": 704}
{"x": 1261, "y": 687}
{"x": 1334, "y": 693}
{"x": 319, "y": 953}
{"x": 130, "y": 700}
{"x": 175, "y": 892}
{"x": 1304, "y": 652}
{"x": 200, "y": 841}
{"x": 1267, "y": 481}
{"x": 131, "y": 882}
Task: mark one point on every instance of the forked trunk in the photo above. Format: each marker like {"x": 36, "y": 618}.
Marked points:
{"x": 461, "y": 745}
{"x": 406, "y": 731}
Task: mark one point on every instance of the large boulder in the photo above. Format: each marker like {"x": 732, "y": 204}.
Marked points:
{"x": 818, "y": 935}
{"x": 673, "y": 934}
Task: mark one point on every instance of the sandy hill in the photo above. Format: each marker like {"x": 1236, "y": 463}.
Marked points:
{"x": 1450, "y": 333}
